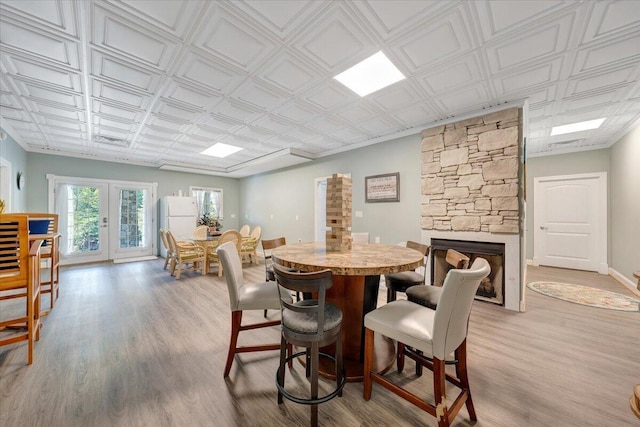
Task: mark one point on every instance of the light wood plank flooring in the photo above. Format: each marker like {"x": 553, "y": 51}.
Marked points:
{"x": 127, "y": 345}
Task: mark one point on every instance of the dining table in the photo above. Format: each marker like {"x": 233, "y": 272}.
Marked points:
{"x": 206, "y": 242}
{"x": 356, "y": 277}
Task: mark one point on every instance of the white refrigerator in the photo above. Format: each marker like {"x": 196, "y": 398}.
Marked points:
{"x": 178, "y": 215}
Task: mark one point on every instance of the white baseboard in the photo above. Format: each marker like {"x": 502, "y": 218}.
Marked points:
{"x": 529, "y": 261}
{"x": 140, "y": 258}
{"x": 625, "y": 281}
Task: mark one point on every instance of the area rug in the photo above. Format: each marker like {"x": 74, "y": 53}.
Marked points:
{"x": 585, "y": 295}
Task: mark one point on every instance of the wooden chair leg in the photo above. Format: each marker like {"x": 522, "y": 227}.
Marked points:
{"x": 283, "y": 348}
{"x": 219, "y": 269}
{"x": 314, "y": 382}
{"x": 289, "y": 353}
{"x": 179, "y": 267}
{"x": 391, "y": 295}
{"x": 236, "y": 319}
{"x": 368, "y": 362}
{"x": 339, "y": 364}
{"x": 439, "y": 392}
{"x": 400, "y": 357}
{"x": 308, "y": 363}
{"x": 461, "y": 372}
{"x": 418, "y": 365}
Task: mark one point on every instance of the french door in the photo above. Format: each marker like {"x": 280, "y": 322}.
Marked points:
{"x": 101, "y": 220}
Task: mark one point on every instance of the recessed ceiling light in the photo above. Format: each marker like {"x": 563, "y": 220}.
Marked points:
{"x": 370, "y": 75}
{"x": 221, "y": 150}
{"x": 577, "y": 127}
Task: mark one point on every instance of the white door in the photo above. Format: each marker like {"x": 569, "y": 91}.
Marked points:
{"x": 570, "y": 222}
{"x": 321, "y": 210}
{"x": 101, "y": 220}
{"x": 6, "y": 182}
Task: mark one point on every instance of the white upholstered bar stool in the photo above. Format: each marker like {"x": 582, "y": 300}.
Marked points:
{"x": 245, "y": 296}
{"x": 438, "y": 333}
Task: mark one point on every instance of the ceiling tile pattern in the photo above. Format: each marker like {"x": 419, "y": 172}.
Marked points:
{"x": 157, "y": 82}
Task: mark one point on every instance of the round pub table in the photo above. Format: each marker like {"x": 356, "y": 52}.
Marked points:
{"x": 356, "y": 278}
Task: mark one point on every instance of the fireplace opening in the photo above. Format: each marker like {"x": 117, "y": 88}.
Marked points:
{"x": 492, "y": 287}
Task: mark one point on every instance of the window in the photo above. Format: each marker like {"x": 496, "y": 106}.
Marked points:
{"x": 208, "y": 200}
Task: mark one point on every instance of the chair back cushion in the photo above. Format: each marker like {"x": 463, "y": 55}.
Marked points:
{"x": 454, "y": 307}
{"x": 307, "y": 319}
{"x": 230, "y": 259}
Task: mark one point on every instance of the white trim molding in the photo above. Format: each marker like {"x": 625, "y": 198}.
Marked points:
{"x": 625, "y": 281}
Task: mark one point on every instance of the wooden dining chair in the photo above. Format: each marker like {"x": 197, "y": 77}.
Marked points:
{"x": 245, "y": 296}
{"x": 186, "y": 254}
{"x": 200, "y": 232}
{"x": 50, "y": 251}
{"x": 310, "y": 324}
{"x": 437, "y": 333}
{"x": 400, "y": 282}
{"x": 169, "y": 259}
{"x": 212, "y": 255}
{"x": 429, "y": 296}
{"x": 20, "y": 278}
{"x": 249, "y": 246}
{"x": 245, "y": 230}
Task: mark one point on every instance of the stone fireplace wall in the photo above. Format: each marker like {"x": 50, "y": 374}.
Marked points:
{"x": 470, "y": 174}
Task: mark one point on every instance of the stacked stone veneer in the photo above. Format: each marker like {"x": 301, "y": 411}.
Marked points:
{"x": 470, "y": 174}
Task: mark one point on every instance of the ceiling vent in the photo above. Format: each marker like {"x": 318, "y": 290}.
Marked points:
{"x": 110, "y": 141}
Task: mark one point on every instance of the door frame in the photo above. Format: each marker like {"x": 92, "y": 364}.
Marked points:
{"x": 602, "y": 238}
{"x": 51, "y": 182}
{"x": 6, "y": 178}
{"x": 317, "y": 181}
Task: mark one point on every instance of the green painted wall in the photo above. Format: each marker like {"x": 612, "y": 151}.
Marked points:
{"x": 12, "y": 152}
{"x": 168, "y": 182}
{"x": 625, "y": 204}
{"x": 290, "y": 192}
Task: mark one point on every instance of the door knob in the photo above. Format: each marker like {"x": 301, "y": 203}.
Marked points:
{"x": 543, "y": 228}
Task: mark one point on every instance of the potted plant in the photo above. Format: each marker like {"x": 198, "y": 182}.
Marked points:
{"x": 214, "y": 224}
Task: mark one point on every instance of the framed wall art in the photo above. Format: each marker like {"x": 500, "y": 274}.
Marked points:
{"x": 382, "y": 188}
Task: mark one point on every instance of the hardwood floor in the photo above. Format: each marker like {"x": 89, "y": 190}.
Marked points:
{"x": 127, "y": 345}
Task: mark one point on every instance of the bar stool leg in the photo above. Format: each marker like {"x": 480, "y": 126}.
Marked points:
{"x": 314, "y": 382}
{"x": 283, "y": 347}
{"x": 339, "y": 364}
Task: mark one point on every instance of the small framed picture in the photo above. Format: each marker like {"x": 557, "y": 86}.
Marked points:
{"x": 382, "y": 188}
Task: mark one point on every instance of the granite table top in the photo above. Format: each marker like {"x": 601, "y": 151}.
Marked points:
{"x": 364, "y": 259}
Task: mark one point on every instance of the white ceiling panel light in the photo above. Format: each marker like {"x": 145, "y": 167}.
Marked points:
{"x": 221, "y": 150}
{"x": 372, "y": 74}
{"x": 577, "y": 127}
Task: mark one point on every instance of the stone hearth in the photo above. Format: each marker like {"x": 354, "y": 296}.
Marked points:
{"x": 472, "y": 189}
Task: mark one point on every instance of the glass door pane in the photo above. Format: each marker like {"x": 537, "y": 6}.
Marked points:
{"x": 82, "y": 210}
{"x": 131, "y": 214}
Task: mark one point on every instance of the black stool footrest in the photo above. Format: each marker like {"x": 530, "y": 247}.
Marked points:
{"x": 317, "y": 400}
